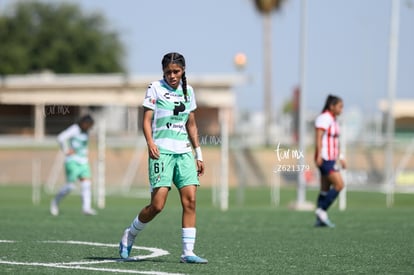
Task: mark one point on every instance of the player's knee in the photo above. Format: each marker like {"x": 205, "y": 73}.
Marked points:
{"x": 69, "y": 187}
{"x": 339, "y": 186}
{"x": 190, "y": 204}
{"x": 156, "y": 208}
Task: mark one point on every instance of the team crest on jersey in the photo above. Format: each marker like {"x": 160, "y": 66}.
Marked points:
{"x": 150, "y": 99}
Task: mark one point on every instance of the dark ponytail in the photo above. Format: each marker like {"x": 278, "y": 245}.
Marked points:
{"x": 331, "y": 100}
{"x": 184, "y": 85}
{"x": 176, "y": 58}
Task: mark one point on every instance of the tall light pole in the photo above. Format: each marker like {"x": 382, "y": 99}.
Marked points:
{"x": 392, "y": 90}
{"x": 301, "y": 203}
{"x": 265, "y": 7}
{"x": 301, "y": 191}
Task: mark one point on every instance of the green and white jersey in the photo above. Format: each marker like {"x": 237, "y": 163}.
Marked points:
{"x": 170, "y": 116}
{"x": 73, "y": 138}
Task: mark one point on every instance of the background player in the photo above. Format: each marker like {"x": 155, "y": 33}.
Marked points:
{"x": 74, "y": 143}
{"x": 326, "y": 155}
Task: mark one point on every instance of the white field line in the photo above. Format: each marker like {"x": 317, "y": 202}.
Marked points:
{"x": 155, "y": 252}
{"x": 113, "y": 270}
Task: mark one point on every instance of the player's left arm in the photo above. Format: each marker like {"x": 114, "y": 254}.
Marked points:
{"x": 192, "y": 131}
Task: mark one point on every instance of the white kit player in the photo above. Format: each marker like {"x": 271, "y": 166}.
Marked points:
{"x": 74, "y": 144}
{"x": 171, "y": 133}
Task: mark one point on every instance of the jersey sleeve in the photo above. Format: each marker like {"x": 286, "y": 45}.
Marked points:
{"x": 150, "y": 97}
{"x": 193, "y": 104}
{"x": 323, "y": 121}
{"x": 64, "y": 137}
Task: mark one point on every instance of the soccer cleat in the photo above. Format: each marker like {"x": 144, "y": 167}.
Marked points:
{"x": 193, "y": 260}
{"x": 54, "y": 209}
{"x": 89, "y": 212}
{"x": 321, "y": 214}
{"x": 328, "y": 223}
{"x": 319, "y": 223}
{"x": 322, "y": 218}
{"x": 124, "y": 251}
{"x": 124, "y": 248}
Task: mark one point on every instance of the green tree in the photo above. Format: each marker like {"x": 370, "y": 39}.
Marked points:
{"x": 38, "y": 36}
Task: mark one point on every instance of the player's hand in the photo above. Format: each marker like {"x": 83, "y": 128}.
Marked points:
{"x": 318, "y": 161}
{"x": 153, "y": 151}
{"x": 70, "y": 152}
{"x": 200, "y": 168}
{"x": 343, "y": 163}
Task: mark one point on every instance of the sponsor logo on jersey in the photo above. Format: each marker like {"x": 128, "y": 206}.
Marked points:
{"x": 174, "y": 126}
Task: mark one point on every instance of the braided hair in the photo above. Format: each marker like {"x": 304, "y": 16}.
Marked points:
{"x": 331, "y": 100}
{"x": 176, "y": 58}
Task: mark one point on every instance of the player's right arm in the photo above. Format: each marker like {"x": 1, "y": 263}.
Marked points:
{"x": 64, "y": 139}
{"x": 322, "y": 123}
{"x": 149, "y": 107}
{"x": 147, "y": 128}
{"x": 318, "y": 146}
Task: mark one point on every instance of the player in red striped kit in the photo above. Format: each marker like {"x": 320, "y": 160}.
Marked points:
{"x": 327, "y": 152}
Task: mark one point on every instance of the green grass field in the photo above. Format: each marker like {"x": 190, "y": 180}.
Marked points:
{"x": 255, "y": 238}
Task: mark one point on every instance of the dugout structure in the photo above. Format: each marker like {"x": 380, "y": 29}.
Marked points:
{"x": 43, "y": 104}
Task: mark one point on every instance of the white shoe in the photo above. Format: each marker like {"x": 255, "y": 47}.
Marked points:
{"x": 90, "y": 212}
{"x": 321, "y": 214}
{"x": 54, "y": 209}
{"x": 323, "y": 217}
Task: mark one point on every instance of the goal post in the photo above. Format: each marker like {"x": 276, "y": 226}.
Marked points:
{"x": 100, "y": 179}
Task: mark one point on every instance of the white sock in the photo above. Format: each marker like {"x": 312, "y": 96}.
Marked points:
{"x": 188, "y": 239}
{"x": 136, "y": 227}
{"x": 66, "y": 189}
{"x": 86, "y": 195}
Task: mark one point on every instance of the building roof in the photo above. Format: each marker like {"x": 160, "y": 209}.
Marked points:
{"x": 402, "y": 107}
{"x": 108, "y": 89}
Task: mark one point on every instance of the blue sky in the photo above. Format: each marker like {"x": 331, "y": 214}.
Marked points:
{"x": 347, "y": 51}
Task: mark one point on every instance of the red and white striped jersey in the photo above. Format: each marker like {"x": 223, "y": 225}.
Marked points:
{"x": 330, "y": 139}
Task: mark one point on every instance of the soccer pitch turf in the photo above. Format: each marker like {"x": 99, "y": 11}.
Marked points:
{"x": 255, "y": 238}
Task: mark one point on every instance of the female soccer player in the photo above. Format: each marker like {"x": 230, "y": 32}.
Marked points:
{"x": 326, "y": 155}
{"x": 74, "y": 144}
{"x": 170, "y": 130}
